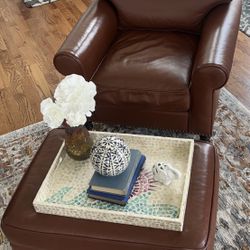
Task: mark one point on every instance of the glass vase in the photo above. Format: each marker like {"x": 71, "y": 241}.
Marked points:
{"x": 78, "y": 142}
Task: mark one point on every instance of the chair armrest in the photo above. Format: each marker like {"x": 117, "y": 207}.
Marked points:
{"x": 88, "y": 42}
{"x": 215, "y": 53}
{"x": 212, "y": 65}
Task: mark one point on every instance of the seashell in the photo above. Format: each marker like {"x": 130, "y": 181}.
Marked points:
{"x": 165, "y": 173}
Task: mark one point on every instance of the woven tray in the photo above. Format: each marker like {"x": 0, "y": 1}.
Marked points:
{"x": 63, "y": 191}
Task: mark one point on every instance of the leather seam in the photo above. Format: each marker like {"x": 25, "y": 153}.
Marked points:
{"x": 105, "y": 54}
{"x": 146, "y": 90}
{"x": 212, "y": 201}
{"x": 183, "y": 31}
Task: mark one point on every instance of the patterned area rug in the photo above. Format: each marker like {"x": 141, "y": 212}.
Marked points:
{"x": 231, "y": 139}
{"x": 245, "y": 18}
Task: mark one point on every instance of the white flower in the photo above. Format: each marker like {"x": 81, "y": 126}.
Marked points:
{"x": 52, "y": 113}
{"x": 74, "y": 98}
{"x": 75, "y": 119}
{"x": 73, "y": 87}
{"x": 45, "y": 104}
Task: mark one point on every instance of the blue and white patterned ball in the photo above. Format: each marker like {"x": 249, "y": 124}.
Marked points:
{"x": 110, "y": 156}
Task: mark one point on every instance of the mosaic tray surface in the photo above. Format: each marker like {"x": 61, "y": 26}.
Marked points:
{"x": 151, "y": 204}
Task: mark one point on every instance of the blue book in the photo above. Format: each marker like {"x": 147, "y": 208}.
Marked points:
{"x": 118, "y": 199}
{"x": 119, "y": 184}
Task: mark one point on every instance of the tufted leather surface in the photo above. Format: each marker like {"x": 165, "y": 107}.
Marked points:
{"x": 165, "y": 58}
{"x": 164, "y": 14}
{"x": 27, "y": 229}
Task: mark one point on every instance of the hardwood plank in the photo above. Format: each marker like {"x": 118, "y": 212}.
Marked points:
{"x": 239, "y": 81}
{"x": 18, "y": 103}
{"x": 70, "y": 19}
{"x": 81, "y": 5}
{"x": 7, "y": 122}
{"x": 4, "y": 80}
{"x": 2, "y": 43}
{"x": 40, "y": 82}
{"x": 8, "y": 40}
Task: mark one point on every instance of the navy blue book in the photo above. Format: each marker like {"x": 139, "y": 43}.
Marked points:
{"x": 118, "y": 199}
{"x": 119, "y": 184}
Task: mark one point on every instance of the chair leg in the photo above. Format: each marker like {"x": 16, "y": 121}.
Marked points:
{"x": 205, "y": 138}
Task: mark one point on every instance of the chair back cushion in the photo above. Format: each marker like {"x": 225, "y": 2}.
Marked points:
{"x": 164, "y": 14}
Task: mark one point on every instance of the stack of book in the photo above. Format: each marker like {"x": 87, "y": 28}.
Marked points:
{"x": 117, "y": 189}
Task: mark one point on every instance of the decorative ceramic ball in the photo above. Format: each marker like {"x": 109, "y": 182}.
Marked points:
{"x": 110, "y": 156}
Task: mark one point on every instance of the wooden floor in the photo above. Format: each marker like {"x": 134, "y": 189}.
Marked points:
{"x": 28, "y": 40}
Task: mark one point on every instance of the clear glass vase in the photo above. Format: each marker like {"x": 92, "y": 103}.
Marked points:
{"x": 78, "y": 142}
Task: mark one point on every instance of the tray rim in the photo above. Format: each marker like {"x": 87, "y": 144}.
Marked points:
{"x": 37, "y": 202}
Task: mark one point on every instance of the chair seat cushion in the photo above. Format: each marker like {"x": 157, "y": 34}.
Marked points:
{"x": 147, "y": 68}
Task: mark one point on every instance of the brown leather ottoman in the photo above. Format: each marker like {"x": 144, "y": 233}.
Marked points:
{"x": 27, "y": 229}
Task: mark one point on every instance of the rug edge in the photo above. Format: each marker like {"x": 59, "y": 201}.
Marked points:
{"x": 23, "y": 131}
{"x": 237, "y": 100}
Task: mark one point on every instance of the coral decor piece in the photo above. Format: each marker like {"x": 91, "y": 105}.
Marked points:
{"x": 74, "y": 102}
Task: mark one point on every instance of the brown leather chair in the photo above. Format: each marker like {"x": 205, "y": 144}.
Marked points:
{"x": 156, "y": 63}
